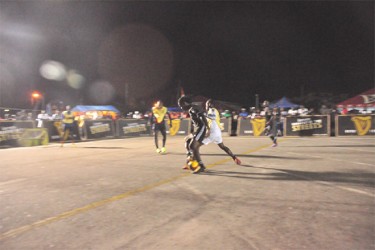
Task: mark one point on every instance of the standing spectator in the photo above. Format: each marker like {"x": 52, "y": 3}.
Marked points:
{"x": 234, "y": 123}
{"x": 280, "y": 126}
{"x": 42, "y": 117}
{"x": 265, "y": 106}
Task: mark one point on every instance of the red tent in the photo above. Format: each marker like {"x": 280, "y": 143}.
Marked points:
{"x": 365, "y": 99}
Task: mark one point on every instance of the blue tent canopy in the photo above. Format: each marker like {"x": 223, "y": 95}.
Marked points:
{"x": 283, "y": 103}
{"x": 84, "y": 108}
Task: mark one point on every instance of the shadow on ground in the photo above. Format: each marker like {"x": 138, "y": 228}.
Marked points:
{"x": 355, "y": 177}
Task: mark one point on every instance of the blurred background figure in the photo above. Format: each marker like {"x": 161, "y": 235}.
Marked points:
{"x": 272, "y": 120}
{"x": 42, "y": 117}
{"x": 234, "y": 123}
{"x": 243, "y": 113}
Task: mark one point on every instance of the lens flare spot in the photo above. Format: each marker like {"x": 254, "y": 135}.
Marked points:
{"x": 102, "y": 92}
{"x": 53, "y": 70}
{"x": 74, "y": 79}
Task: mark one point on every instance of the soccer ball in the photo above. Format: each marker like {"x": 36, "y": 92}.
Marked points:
{"x": 193, "y": 164}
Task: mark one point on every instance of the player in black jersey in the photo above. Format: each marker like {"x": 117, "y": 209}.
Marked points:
{"x": 201, "y": 130}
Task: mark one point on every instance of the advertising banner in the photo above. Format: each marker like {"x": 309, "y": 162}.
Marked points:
{"x": 179, "y": 127}
{"x": 252, "y": 127}
{"x": 225, "y": 122}
{"x": 55, "y": 129}
{"x": 95, "y": 129}
{"x": 307, "y": 125}
{"x": 132, "y": 127}
{"x": 11, "y": 131}
{"x": 358, "y": 125}
{"x": 33, "y": 137}
{"x": 22, "y": 133}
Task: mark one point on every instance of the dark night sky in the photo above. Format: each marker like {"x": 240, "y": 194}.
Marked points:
{"x": 224, "y": 50}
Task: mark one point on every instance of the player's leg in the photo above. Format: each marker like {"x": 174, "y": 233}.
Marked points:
{"x": 71, "y": 134}
{"x": 156, "y": 138}
{"x": 164, "y": 134}
{"x": 229, "y": 152}
{"x": 64, "y": 135}
{"x": 273, "y": 137}
{"x": 195, "y": 145}
{"x": 189, "y": 151}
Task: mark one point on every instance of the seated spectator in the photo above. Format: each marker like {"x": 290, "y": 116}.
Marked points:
{"x": 365, "y": 111}
{"x": 324, "y": 110}
{"x": 57, "y": 115}
{"x": 292, "y": 112}
{"x": 243, "y": 113}
{"x": 283, "y": 112}
{"x": 344, "y": 111}
{"x": 252, "y": 113}
{"x": 311, "y": 111}
{"x": 353, "y": 111}
{"x": 302, "y": 110}
{"x": 21, "y": 115}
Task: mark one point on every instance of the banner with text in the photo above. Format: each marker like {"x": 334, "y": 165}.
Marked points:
{"x": 11, "y": 131}
{"x": 97, "y": 129}
{"x": 307, "y": 125}
{"x": 132, "y": 127}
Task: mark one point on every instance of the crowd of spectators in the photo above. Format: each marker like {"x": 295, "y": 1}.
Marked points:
{"x": 243, "y": 113}
{"x": 300, "y": 111}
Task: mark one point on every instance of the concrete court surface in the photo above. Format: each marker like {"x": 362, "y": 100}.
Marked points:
{"x": 307, "y": 193}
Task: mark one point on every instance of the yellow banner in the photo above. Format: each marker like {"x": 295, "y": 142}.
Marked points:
{"x": 175, "y": 127}
{"x": 258, "y": 126}
{"x": 362, "y": 124}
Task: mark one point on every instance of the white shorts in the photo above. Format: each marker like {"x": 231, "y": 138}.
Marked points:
{"x": 215, "y": 136}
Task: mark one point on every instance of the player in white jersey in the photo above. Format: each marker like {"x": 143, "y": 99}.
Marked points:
{"x": 215, "y": 131}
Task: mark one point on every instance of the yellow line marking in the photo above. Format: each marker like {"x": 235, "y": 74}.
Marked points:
{"x": 22, "y": 229}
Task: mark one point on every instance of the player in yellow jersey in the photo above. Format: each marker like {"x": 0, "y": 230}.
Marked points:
{"x": 157, "y": 122}
{"x": 68, "y": 123}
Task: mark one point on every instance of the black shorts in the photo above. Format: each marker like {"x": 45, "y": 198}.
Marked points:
{"x": 160, "y": 127}
{"x": 200, "y": 134}
{"x": 68, "y": 126}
